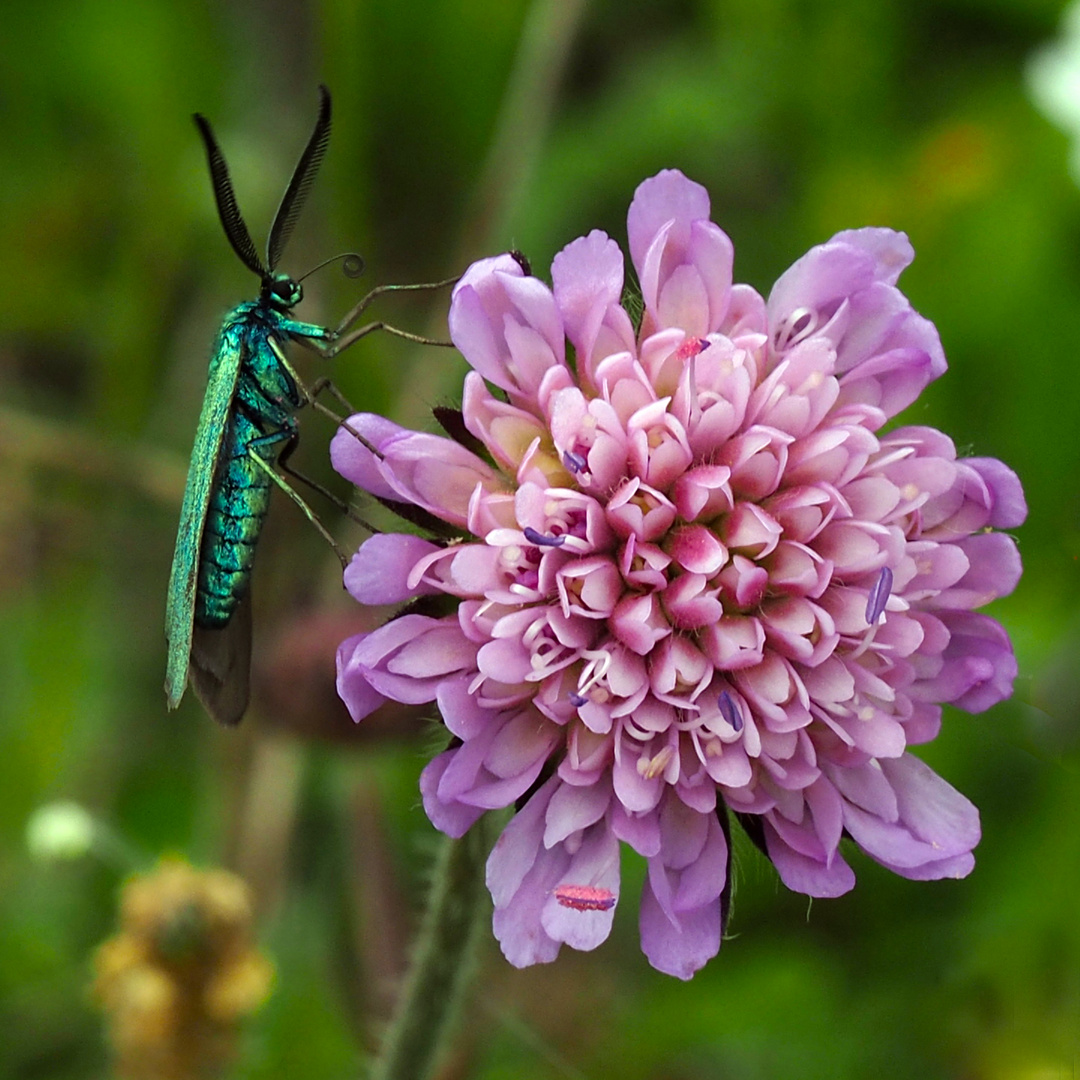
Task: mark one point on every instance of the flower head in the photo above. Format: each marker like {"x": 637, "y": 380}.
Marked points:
{"x": 695, "y": 578}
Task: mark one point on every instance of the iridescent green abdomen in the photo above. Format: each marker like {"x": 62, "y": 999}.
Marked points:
{"x": 233, "y": 523}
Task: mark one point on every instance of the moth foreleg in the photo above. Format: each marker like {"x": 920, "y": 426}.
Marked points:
{"x": 381, "y": 290}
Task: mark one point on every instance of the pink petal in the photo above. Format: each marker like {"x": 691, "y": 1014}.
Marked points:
{"x": 596, "y": 864}
{"x": 587, "y": 279}
{"x": 360, "y": 697}
{"x": 803, "y": 874}
{"x": 668, "y": 196}
{"x": 453, "y": 818}
{"x": 379, "y": 571}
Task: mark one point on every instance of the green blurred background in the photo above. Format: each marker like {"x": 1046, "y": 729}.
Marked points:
{"x": 462, "y": 128}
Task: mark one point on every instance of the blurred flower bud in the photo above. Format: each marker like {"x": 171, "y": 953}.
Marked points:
{"x": 60, "y": 831}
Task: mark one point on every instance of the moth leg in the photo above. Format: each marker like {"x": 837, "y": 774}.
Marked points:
{"x": 340, "y": 340}
{"x": 328, "y": 352}
{"x": 310, "y": 395}
{"x": 304, "y": 331}
{"x": 312, "y": 392}
{"x": 326, "y": 493}
{"x": 324, "y": 383}
{"x": 292, "y": 438}
{"x": 342, "y": 343}
{"x": 381, "y": 290}
{"x": 346, "y": 508}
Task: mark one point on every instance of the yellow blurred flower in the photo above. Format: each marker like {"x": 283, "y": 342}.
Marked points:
{"x": 181, "y": 974}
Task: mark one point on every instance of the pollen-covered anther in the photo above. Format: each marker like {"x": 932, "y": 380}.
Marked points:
{"x": 713, "y": 748}
{"x": 584, "y": 897}
{"x": 651, "y": 768}
{"x": 691, "y": 347}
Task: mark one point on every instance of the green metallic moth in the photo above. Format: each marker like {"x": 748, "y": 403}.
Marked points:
{"x": 246, "y": 427}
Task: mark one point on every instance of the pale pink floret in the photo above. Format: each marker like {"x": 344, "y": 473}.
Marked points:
{"x": 698, "y": 580}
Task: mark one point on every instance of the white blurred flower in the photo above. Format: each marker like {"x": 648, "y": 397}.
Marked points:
{"x": 1053, "y": 80}
{"x": 59, "y": 831}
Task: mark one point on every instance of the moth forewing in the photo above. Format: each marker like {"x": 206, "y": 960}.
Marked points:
{"x": 205, "y": 454}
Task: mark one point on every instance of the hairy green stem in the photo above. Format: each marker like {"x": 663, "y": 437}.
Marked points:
{"x": 443, "y": 962}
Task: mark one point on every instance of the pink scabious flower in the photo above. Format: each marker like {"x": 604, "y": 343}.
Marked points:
{"x": 690, "y": 576}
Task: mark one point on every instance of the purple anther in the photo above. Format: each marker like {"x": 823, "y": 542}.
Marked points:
{"x": 576, "y": 699}
{"x": 574, "y": 462}
{"x": 879, "y": 596}
{"x": 542, "y": 539}
{"x": 730, "y": 711}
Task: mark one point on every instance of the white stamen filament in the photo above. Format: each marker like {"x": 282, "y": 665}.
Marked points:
{"x": 899, "y": 454}
{"x": 867, "y": 641}
{"x": 691, "y": 386}
{"x": 787, "y": 335}
{"x": 594, "y": 670}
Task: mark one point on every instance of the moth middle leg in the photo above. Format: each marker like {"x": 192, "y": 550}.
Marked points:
{"x": 281, "y": 443}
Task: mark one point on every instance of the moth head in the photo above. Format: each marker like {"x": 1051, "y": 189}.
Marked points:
{"x": 281, "y": 291}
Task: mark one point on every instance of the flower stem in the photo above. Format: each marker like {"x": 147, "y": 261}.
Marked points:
{"x": 443, "y": 963}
